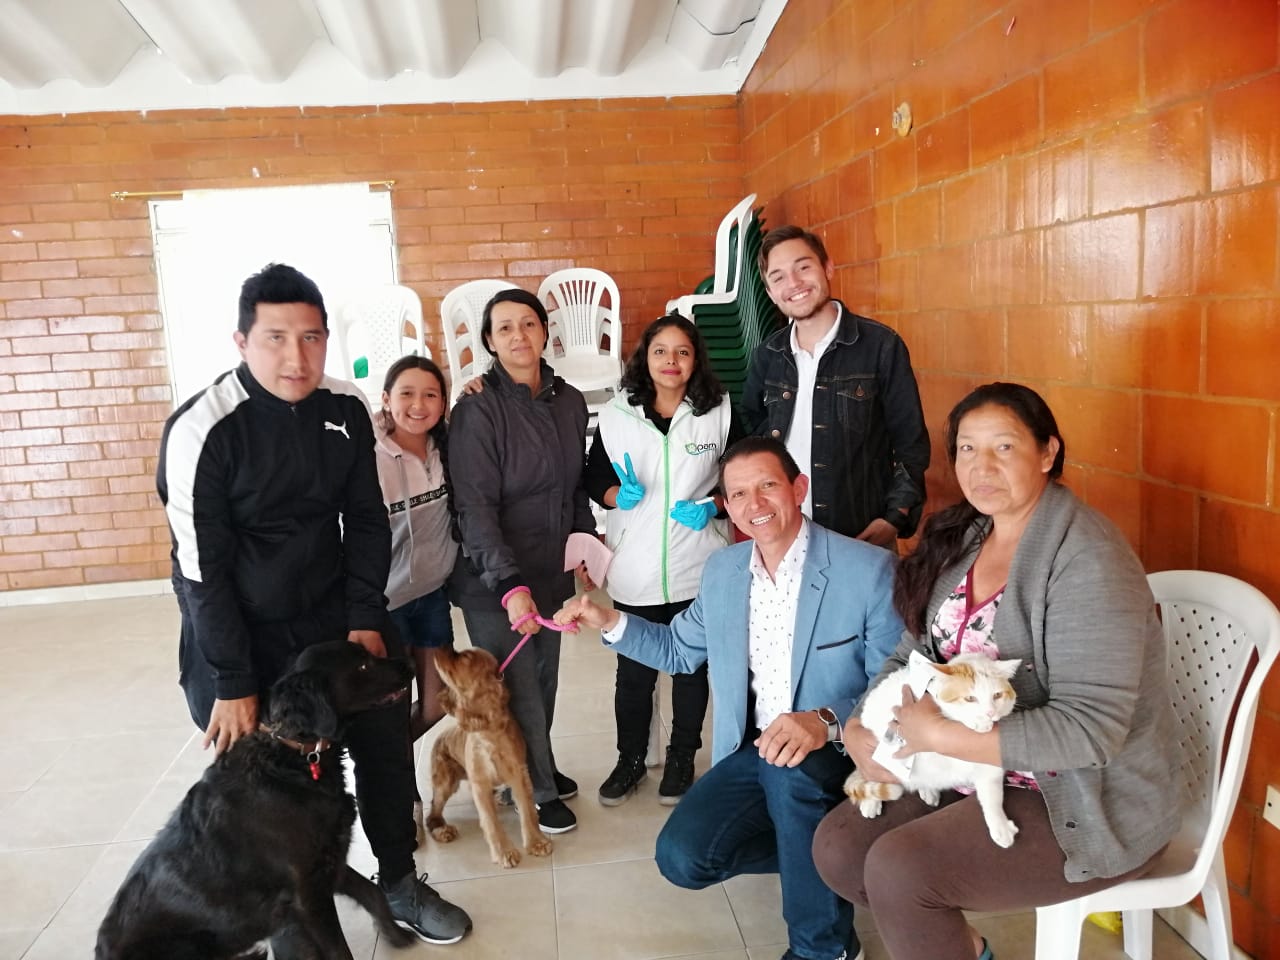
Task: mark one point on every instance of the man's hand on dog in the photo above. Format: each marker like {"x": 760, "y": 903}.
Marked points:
{"x": 583, "y": 609}
{"x": 371, "y": 640}
{"x": 790, "y": 738}
{"x": 229, "y": 721}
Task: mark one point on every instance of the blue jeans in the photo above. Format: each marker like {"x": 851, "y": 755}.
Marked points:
{"x": 748, "y": 816}
{"x": 424, "y": 622}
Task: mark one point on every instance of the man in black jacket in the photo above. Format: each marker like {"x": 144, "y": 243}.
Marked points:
{"x": 280, "y": 541}
{"x": 839, "y": 391}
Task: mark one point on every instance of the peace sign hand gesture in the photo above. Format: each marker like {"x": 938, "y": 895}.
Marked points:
{"x": 631, "y": 490}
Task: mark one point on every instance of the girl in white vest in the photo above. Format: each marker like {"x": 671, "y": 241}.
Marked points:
{"x": 653, "y": 465}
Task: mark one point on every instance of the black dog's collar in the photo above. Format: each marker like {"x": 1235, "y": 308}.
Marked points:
{"x": 310, "y": 751}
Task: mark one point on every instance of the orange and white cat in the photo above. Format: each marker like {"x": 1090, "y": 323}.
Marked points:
{"x": 971, "y": 689}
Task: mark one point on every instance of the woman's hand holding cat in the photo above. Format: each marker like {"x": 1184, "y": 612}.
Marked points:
{"x": 790, "y": 738}
{"x": 920, "y": 724}
{"x": 860, "y": 744}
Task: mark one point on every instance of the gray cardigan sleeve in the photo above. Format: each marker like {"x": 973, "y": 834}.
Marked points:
{"x": 1077, "y": 611}
{"x": 1090, "y": 617}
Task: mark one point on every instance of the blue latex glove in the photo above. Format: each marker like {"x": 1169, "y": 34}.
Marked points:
{"x": 694, "y": 514}
{"x": 632, "y": 490}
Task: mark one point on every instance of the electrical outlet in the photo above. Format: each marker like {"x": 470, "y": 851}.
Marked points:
{"x": 1271, "y": 812}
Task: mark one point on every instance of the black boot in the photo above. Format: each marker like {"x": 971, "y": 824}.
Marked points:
{"x": 677, "y": 778}
{"x": 624, "y": 780}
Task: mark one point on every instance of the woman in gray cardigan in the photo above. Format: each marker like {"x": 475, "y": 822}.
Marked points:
{"x": 1031, "y": 572}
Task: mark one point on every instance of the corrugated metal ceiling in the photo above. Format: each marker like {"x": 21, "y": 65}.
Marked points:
{"x": 78, "y": 55}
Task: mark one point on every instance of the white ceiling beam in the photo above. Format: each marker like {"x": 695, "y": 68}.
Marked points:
{"x": 721, "y": 16}
{"x": 712, "y": 33}
{"x": 213, "y": 39}
{"x": 386, "y": 37}
{"x": 618, "y": 31}
{"x": 63, "y": 56}
{"x": 533, "y": 31}
{"x": 44, "y": 40}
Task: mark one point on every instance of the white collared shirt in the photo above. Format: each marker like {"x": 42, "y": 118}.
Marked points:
{"x": 771, "y": 628}
{"x": 800, "y": 434}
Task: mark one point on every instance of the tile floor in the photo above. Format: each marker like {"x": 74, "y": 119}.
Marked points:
{"x": 97, "y": 748}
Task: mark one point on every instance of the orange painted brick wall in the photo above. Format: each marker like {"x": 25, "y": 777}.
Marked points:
{"x": 633, "y": 187}
{"x": 1087, "y": 203}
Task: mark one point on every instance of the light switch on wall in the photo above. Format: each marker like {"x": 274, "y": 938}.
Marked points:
{"x": 1271, "y": 812}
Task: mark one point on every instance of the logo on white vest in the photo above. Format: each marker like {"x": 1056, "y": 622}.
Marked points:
{"x": 694, "y": 449}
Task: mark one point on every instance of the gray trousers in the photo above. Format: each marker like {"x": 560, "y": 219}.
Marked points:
{"x": 532, "y": 678}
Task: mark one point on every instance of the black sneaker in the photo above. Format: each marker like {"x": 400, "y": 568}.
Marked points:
{"x": 623, "y": 781}
{"x": 566, "y": 787}
{"x": 423, "y": 912}
{"x": 677, "y": 778}
{"x": 555, "y": 817}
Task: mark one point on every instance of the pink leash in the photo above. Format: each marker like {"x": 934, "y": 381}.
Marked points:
{"x": 542, "y": 621}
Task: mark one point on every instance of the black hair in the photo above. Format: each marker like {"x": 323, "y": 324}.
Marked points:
{"x": 514, "y": 295}
{"x": 439, "y": 434}
{"x": 752, "y": 445}
{"x": 779, "y": 235}
{"x": 277, "y": 283}
{"x": 942, "y": 541}
{"x": 703, "y": 391}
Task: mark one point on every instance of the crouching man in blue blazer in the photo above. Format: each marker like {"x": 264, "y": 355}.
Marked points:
{"x": 792, "y": 627}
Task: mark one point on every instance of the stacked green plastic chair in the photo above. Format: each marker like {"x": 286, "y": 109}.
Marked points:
{"x": 736, "y": 314}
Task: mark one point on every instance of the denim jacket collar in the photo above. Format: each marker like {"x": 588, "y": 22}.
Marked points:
{"x": 846, "y": 331}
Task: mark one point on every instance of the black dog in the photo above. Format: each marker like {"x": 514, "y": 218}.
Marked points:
{"x": 258, "y": 847}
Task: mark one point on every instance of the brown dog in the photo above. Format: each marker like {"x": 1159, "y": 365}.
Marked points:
{"x": 486, "y": 747}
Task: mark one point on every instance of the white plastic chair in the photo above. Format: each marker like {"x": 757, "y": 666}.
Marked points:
{"x": 580, "y": 320}
{"x": 371, "y": 323}
{"x": 461, "y": 313}
{"x": 725, "y": 288}
{"x": 1214, "y": 624}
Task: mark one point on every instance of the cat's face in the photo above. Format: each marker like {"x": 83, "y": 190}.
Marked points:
{"x": 974, "y": 690}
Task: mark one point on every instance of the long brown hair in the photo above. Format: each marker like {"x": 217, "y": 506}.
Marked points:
{"x": 943, "y": 541}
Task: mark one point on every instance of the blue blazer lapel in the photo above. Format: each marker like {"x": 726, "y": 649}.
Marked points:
{"x": 813, "y": 588}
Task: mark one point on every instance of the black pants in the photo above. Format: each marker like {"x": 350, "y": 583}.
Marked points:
{"x": 377, "y": 740}
{"x": 633, "y": 694}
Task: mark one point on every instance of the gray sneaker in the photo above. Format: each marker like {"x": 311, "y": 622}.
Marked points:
{"x": 423, "y": 912}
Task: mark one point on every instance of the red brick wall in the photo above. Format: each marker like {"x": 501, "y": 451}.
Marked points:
{"x": 633, "y": 187}
{"x": 1088, "y": 204}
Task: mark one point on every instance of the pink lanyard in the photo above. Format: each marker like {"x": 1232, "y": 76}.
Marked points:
{"x": 542, "y": 621}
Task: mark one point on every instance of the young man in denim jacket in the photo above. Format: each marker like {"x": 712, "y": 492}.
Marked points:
{"x": 839, "y": 391}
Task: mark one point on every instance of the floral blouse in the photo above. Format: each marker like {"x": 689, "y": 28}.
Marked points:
{"x": 964, "y": 626}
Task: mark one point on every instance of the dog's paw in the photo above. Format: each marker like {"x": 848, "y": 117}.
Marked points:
{"x": 541, "y": 847}
{"x": 445, "y": 833}
{"x": 1003, "y": 833}
{"x": 508, "y": 858}
{"x": 869, "y": 807}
